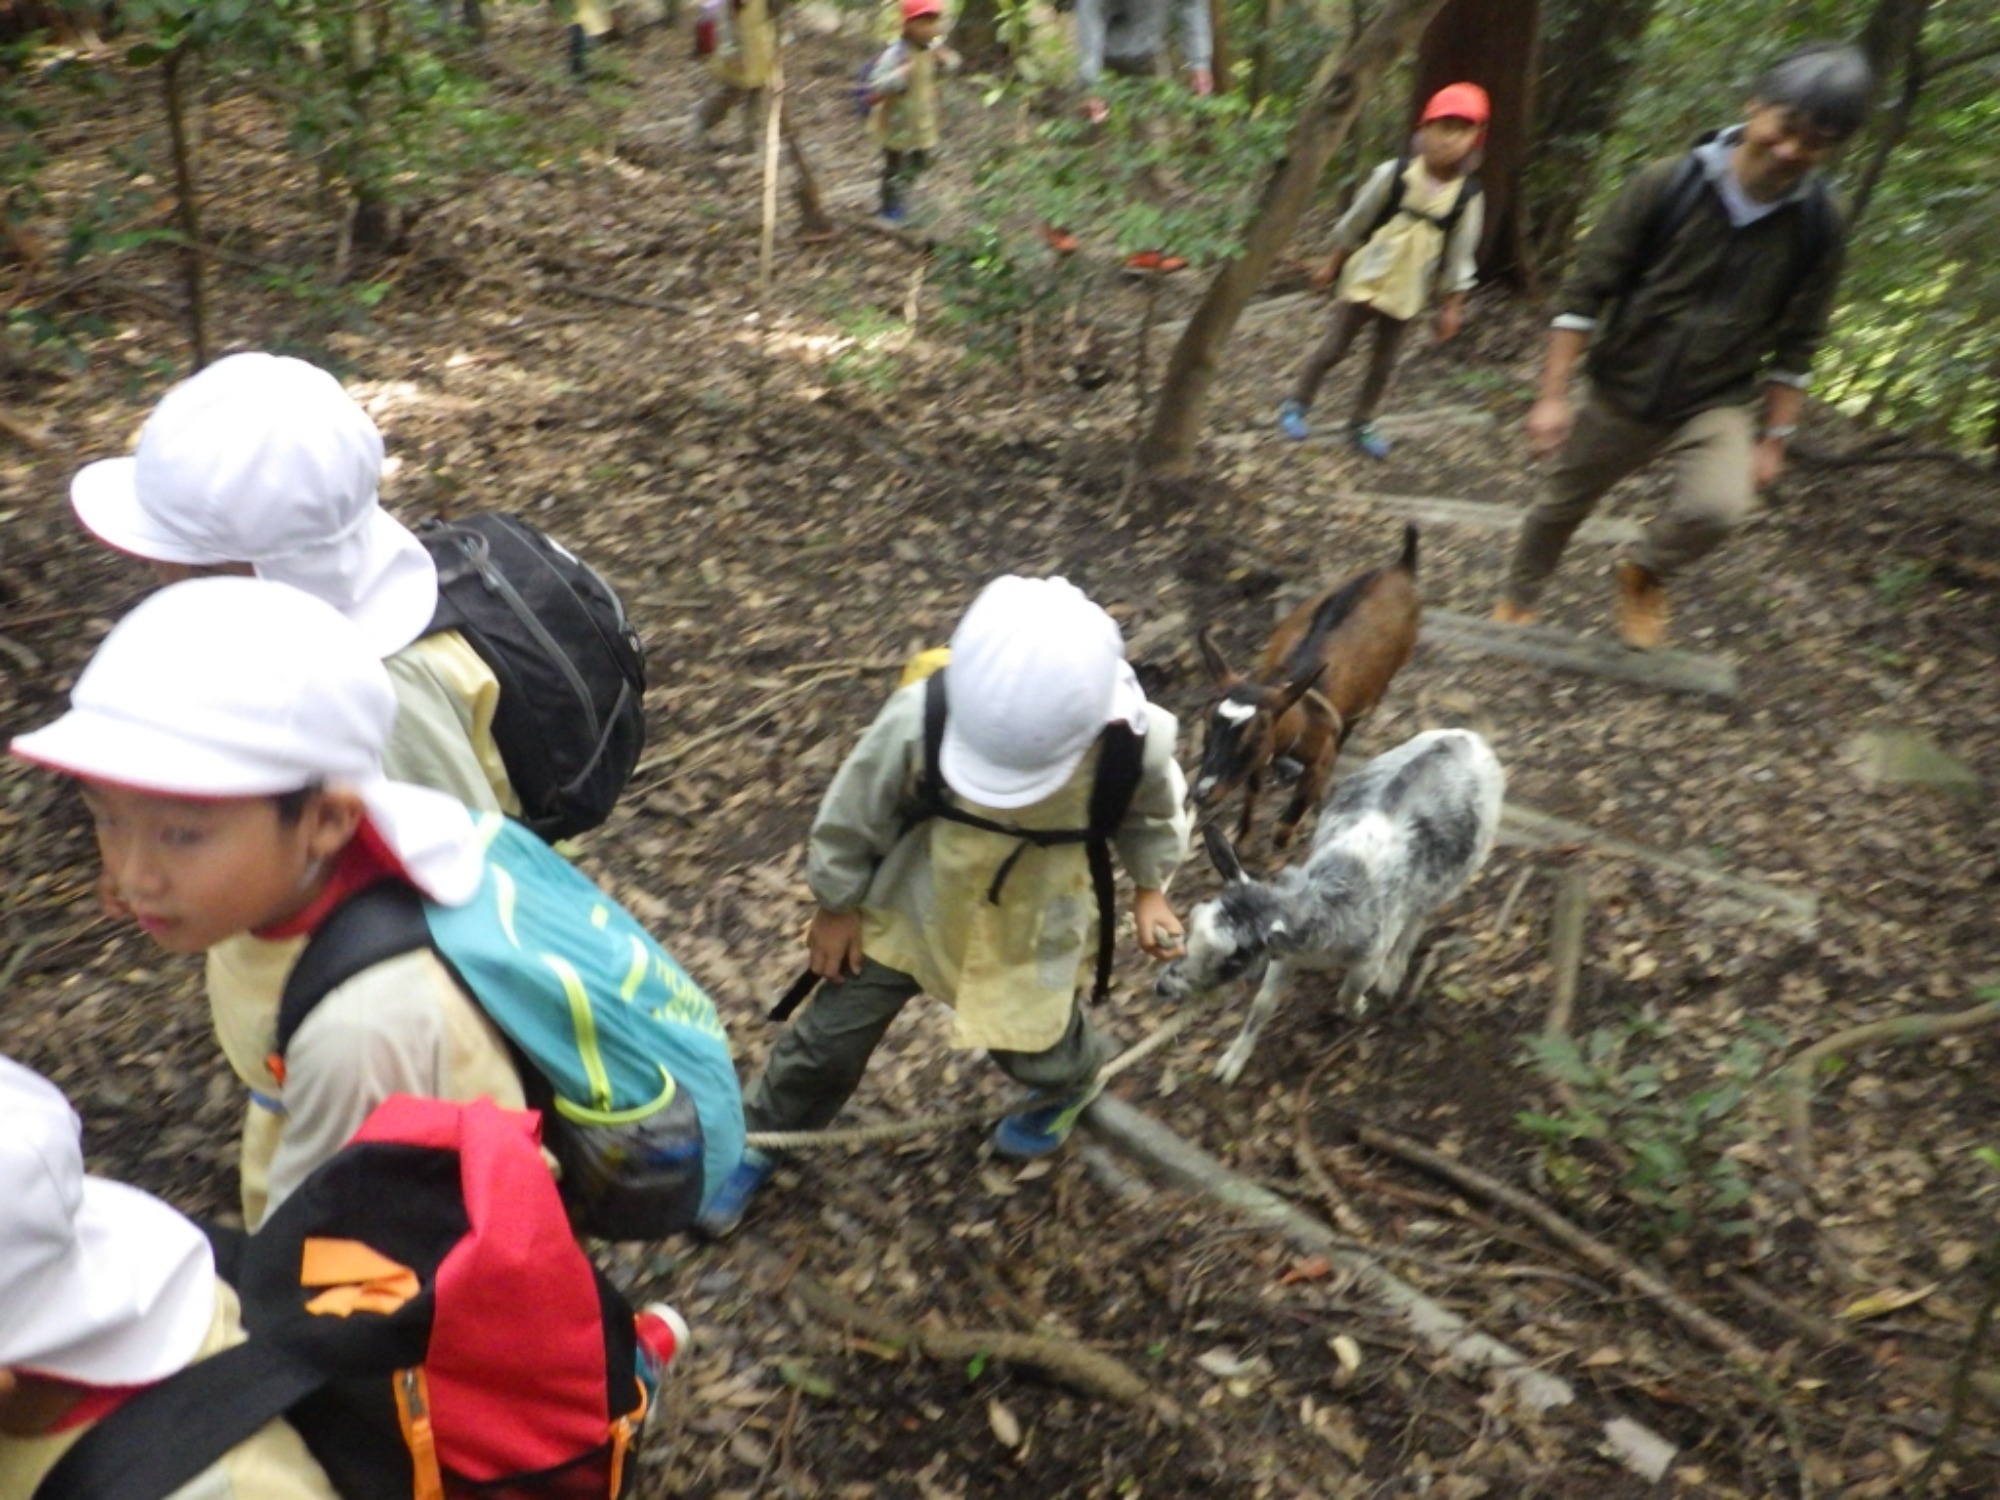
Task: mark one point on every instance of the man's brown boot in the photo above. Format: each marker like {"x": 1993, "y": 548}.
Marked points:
{"x": 1507, "y": 612}
{"x": 1642, "y": 607}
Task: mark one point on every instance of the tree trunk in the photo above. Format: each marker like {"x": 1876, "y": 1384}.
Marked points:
{"x": 1589, "y": 48}
{"x": 976, "y": 37}
{"x": 184, "y": 205}
{"x": 1893, "y": 40}
{"x": 1222, "y": 57}
{"x": 1168, "y": 449}
{"x": 1490, "y": 43}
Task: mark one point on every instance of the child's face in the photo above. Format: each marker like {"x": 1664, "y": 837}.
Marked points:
{"x": 1446, "y": 143}
{"x": 922, "y": 30}
{"x": 193, "y": 873}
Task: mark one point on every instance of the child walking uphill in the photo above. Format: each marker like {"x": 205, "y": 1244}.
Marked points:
{"x": 903, "y": 111}
{"x": 1416, "y": 226}
{"x": 228, "y": 738}
{"x": 742, "y": 68}
{"x": 969, "y": 880}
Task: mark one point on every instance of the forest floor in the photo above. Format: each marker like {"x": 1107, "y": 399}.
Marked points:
{"x": 790, "y": 509}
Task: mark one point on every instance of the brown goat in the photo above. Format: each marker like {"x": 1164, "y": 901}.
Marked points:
{"x": 1326, "y": 667}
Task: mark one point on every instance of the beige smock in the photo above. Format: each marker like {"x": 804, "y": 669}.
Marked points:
{"x": 749, "y": 47}
{"x": 446, "y": 696}
{"x": 1397, "y": 269}
{"x": 402, "y": 1026}
{"x": 271, "y": 1464}
{"x": 905, "y": 117}
{"x": 1009, "y": 970}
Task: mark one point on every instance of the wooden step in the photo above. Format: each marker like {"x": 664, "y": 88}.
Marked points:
{"x": 1595, "y": 656}
{"x": 1442, "y": 511}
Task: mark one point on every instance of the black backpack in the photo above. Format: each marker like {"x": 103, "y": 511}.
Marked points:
{"x": 1120, "y": 760}
{"x": 571, "y": 719}
{"x": 1468, "y": 189}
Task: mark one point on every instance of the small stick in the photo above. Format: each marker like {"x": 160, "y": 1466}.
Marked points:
{"x": 763, "y": 706}
{"x": 622, "y": 299}
{"x": 1306, "y": 1152}
{"x": 1572, "y": 909}
{"x": 1513, "y": 899}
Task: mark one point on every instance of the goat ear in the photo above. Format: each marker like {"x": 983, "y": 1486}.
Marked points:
{"x": 1222, "y": 854}
{"x": 1211, "y": 655}
{"x": 1298, "y": 690}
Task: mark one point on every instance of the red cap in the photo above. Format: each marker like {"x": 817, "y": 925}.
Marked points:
{"x": 1456, "y": 101}
{"x": 917, "y": 9}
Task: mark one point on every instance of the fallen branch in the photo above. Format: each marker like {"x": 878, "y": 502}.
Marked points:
{"x": 1566, "y": 923}
{"x": 623, "y": 299}
{"x": 1704, "y": 1325}
{"x": 763, "y": 706}
{"x": 1794, "y": 1078}
{"x": 1306, "y": 1152}
{"x": 1075, "y": 1365}
{"x": 1961, "y": 1377}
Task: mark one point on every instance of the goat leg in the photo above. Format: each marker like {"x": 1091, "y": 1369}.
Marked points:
{"x": 1317, "y": 770}
{"x": 1266, "y": 1001}
{"x": 1252, "y": 785}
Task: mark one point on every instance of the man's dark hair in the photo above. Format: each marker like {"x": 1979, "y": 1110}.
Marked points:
{"x": 1830, "y": 84}
{"x": 292, "y": 805}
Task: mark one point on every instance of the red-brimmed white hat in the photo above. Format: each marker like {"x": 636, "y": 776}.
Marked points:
{"x": 99, "y": 1283}
{"x": 240, "y": 687}
{"x": 265, "y": 460}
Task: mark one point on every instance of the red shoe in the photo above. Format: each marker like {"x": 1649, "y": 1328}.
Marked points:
{"x": 1061, "y": 240}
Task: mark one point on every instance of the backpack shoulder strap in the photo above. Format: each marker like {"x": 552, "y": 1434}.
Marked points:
{"x": 1121, "y": 756}
{"x": 382, "y": 922}
{"x": 1469, "y": 188}
{"x": 930, "y": 781}
{"x": 1395, "y": 199}
{"x": 1678, "y": 196}
{"x": 169, "y": 1433}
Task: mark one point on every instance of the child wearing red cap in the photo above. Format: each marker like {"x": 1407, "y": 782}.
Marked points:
{"x": 902, "y": 100}
{"x": 1416, "y": 224}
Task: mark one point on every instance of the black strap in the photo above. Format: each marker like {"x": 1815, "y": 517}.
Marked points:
{"x": 1468, "y": 189}
{"x": 169, "y": 1433}
{"x": 794, "y": 997}
{"x": 1676, "y": 203}
{"x": 380, "y": 923}
{"x": 1120, "y": 759}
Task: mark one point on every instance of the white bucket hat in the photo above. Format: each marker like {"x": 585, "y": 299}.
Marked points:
{"x": 1036, "y": 672}
{"x": 99, "y": 1282}
{"x": 265, "y": 460}
{"x": 239, "y": 687}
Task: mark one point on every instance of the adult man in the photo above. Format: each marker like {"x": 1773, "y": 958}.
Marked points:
{"x": 1130, "y": 37}
{"x": 1720, "y": 268}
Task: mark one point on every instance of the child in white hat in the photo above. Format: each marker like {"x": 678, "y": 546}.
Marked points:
{"x": 994, "y": 926}
{"x": 103, "y": 1292}
{"x": 228, "y": 737}
{"x": 262, "y": 464}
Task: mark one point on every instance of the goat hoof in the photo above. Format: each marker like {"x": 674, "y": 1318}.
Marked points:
{"x": 1230, "y": 1068}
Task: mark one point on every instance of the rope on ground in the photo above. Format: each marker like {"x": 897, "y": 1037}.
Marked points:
{"x": 890, "y": 1130}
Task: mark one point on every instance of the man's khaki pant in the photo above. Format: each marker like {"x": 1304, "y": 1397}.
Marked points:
{"x": 1711, "y": 455}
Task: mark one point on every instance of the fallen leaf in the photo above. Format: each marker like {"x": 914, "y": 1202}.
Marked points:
{"x": 1346, "y": 1351}
{"x": 1878, "y": 1303}
{"x": 1227, "y": 1363}
{"x": 1610, "y": 1354}
{"x": 1006, "y": 1426}
{"x": 1311, "y": 1268}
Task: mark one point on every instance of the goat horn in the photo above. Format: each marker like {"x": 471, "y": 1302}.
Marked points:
{"x": 1222, "y": 854}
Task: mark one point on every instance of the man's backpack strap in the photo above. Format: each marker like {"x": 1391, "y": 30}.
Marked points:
{"x": 382, "y": 922}
{"x": 1818, "y": 229}
{"x": 169, "y": 1433}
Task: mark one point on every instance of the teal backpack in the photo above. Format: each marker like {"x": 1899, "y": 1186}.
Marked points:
{"x": 620, "y": 1050}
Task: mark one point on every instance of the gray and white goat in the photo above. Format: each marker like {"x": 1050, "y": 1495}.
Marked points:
{"x": 1395, "y": 841}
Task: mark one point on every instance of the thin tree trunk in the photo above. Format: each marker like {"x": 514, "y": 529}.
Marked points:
{"x": 185, "y": 208}
{"x": 814, "y": 221}
{"x": 1261, "y": 58}
{"x": 1588, "y": 52}
{"x": 1168, "y": 448}
{"x": 1894, "y": 37}
{"x": 1222, "y": 57}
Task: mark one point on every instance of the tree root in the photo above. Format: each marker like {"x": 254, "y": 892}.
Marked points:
{"x": 1708, "y": 1328}
{"x": 1064, "y": 1360}
{"x": 1794, "y": 1078}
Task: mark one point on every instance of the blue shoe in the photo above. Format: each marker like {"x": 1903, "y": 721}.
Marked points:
{"x": 893, "y": 218}
{"x": 726, "y": 1209}
{"x": 1370, "y": 440}
{"x": 1292, "y": 422}
{"x": 1036, "y": 1132}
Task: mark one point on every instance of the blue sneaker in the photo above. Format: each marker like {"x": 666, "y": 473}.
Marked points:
{"x": 1037, "y": 1131}
{"x": 893, "y": 218}
{"x": 726, "y": 1209}
{"x": 1292, "y": 422}
{"x": 1368, "y": 438}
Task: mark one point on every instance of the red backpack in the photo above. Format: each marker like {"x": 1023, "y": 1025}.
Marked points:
{"x": 420, "y": 1312}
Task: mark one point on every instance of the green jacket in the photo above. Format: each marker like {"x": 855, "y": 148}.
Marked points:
{"x": 1719, "y": 308}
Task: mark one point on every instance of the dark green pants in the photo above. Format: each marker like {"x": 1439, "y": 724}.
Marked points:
{"x": 818, "y": 1062}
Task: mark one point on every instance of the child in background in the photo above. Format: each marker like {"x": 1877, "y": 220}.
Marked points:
{"x": 105, "y": 1291}
{"x": 1416, "y": 223}
{"x": 902, "y": 95}
{"x": 976, "y": 916}
{"x": 742, "y": 66}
